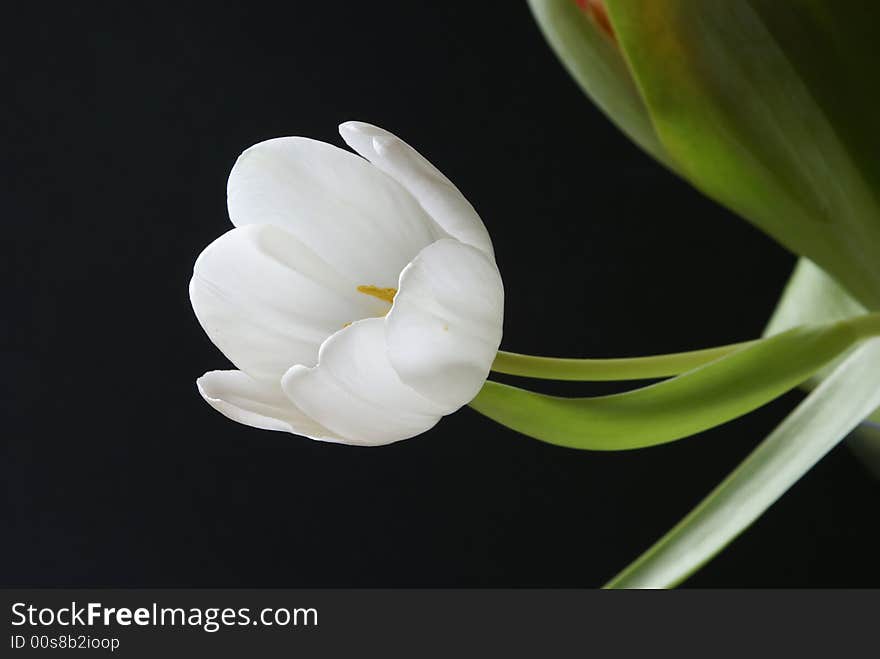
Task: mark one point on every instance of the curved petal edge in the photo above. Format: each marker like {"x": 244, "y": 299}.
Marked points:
{"x": 354, "y": 391}
{"x": 239, "y": 397}
{"x": 445, "y": 326}
{"x": 436, "y": 194}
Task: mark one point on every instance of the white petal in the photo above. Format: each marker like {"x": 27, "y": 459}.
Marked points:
{"x": 445, "y": 326}
{"x": 267, "y": 301}
{"x": 258, "y": 404}
{"x": 355, "y": 392}
{"x": 358, "y": 219}
{"x": 436, "y": 193}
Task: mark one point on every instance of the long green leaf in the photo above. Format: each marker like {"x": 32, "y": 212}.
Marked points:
{"x": 825, "y": 417}
{"x": 770, "y": 108}
{"x": 695, "y": 401}
{"x": 811, "y": 296}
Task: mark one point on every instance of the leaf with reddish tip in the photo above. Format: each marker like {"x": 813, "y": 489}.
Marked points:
{"x": 769, "y": 108}
{"x": 593, "y": 59}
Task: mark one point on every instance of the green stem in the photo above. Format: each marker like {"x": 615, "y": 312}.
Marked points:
{"x": 636, "y": 368}
{"x": 595, "y": 370}
{"x": 865, "y": 327}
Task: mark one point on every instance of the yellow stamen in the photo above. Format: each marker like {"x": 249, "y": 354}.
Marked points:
{"x": 386, "y": 294}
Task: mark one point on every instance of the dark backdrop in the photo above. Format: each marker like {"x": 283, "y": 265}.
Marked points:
{"x": 121, "y": 123}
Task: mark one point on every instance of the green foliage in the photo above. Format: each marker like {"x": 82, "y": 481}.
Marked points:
{"x": 811, "y": 296}
{"x": 595, "y": 61}
{"x": 768, "y": 107}
{"x": 825, "y": 417}
{"x": 597, "y": 370}
{"x": 699, "y": 399}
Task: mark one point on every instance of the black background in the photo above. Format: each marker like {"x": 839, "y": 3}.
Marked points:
{"x": 121, "y": 122}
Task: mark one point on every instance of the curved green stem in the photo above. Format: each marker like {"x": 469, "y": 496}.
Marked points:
{"x": 595, "y": 370}
{"x": 699, "y": 399}
{"x": 864, "y": 327}
{"x": 634, "y": 368}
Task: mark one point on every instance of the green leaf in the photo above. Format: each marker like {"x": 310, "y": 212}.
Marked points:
{"x": 695, "y": 401}
{"x": 595, "y": 62}
{"x": 825, "y": 417}
{"x": 811, "y": 296}
{"x": 770, "y": 108}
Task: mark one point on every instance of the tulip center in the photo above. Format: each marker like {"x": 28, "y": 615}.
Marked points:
{"x": 386, "y": 294}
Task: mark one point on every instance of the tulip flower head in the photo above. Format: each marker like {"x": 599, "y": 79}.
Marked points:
{"x": 357, "y": 296}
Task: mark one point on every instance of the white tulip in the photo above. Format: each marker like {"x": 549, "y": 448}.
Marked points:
{"x": 358, "y": 296}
